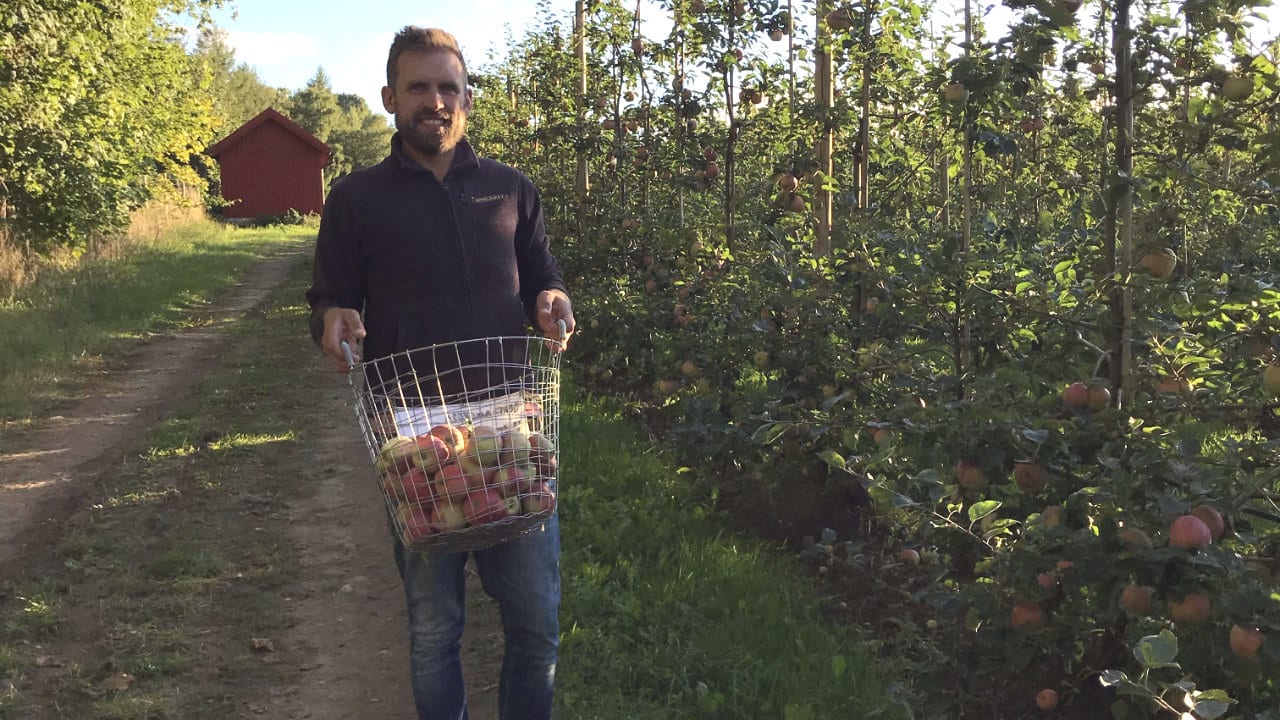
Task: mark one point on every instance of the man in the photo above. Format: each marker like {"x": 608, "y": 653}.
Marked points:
{"x": 437, "y": 245}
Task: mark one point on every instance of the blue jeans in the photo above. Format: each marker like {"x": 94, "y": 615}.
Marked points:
{"x": 523, "y": 576}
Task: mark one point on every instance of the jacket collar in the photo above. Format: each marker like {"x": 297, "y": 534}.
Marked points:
{"x": 464, "y": 157}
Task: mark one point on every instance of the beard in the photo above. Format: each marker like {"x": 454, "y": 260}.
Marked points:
{"x": 427, "y": 140}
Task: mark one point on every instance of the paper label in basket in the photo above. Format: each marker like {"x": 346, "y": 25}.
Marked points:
{"x": 508, "y": 412}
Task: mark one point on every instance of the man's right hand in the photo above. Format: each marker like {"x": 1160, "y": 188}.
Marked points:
{"x": 342, "y": 324}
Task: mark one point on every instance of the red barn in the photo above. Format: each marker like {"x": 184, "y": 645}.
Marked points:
{"x": 270, "y": 165}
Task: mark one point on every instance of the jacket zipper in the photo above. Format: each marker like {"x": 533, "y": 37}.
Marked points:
{"x": 462, "y": 251}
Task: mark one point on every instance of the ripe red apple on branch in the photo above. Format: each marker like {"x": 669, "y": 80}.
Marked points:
{"x": 1028, "y": 615}
{"x": 970, "y": 476}
{"x": 1245, "y": 641}
{"x": 1076, "y": 396}
{"x": 1189, "y": 533}
{"x": 1137, "y": 598}
{"x": 1192, "y": 609}
{"x": 1030, "y": 477}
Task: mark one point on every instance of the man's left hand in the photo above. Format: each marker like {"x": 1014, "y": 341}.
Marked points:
{"x": 554, "y": 305}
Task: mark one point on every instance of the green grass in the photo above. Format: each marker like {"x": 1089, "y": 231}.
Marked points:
{"x": 70, "y": 323}
{"x": 667, "y": 615}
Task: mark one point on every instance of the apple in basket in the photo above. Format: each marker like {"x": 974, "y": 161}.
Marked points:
{"x": 396, "y": 454}
{"x": 415, "y": 523}
{"x": 515, "y": 448}
{"x": 484, "y": 506}
{"x": 541, "y": 499}
{"x": 452, "y": 482}
{"x": 511, "y": 481}
{"x": 448, "y": 516}
{"x": 483, "y": 447}
{"x": 543, "y": 455}
{"x": 452, "y": 436}
{"x": 432, "y": 452}
{"x": 417, "y": 486}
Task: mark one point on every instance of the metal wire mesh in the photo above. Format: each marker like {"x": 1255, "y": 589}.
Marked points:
{"x": 464, "y": 437}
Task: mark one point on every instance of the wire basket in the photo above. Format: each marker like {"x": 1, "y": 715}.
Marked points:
{"x": 464, "y": 438}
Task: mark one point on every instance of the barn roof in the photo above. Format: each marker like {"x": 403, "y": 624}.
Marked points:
{"x": 268, "y": 115}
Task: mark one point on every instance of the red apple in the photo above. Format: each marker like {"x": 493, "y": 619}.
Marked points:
{"x": 1099, "y": 398}
{"x": 1212, "y": 520}
{"x": 1245, "y": 641}
{"x": 510, "y": 481}
{"x": 1137, "y": 598}
{"x": 1028, "y": 615}
{"x": 1047, "y": 699}
{"x": 1192, "y": 609}
{"x": 484, "y": 444}
{"x": 542, "y": 499}
{"x": 483, "y": 506}
{"x": 414, "y": 522}
{"x": 447, "y": 517}
{"x": 1030, "y": 477}
{"x": 1076, "y": 396}
{"x": 452, "y": 482}
{"x": 418, "y": 487}
{"x": 396, "y": 455}
{"x": 515, "y": 448}
{"x": 432, "y": 452}
{"x": 452, "y": 436}
{"x": 970, "y": 476}
{"x": 909, "y": 556}
{"x": 1190, "y": 533}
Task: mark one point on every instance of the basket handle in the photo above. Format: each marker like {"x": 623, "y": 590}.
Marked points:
{"x": 346, "y": 352}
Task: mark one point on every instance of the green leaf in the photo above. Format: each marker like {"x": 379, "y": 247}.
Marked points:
{"x": 833, "y": 458}
{"x": 839, "y": 666}
{"x": 1157, "y": 650}
{"x": 979, "y": 510}
{"x": 1211, "y": 705}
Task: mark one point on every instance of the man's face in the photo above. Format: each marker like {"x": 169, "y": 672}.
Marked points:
{"x": 430, "y": 101}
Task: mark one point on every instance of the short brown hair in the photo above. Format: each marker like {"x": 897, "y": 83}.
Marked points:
{"x": 417, "y": 39}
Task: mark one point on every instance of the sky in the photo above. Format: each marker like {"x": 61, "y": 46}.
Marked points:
{"x": 285, "y": 41}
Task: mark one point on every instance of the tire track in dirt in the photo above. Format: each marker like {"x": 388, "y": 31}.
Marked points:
{"x": 42, "y": 468}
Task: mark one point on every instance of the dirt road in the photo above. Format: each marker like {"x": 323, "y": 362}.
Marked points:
{"x": 346, "y": 614}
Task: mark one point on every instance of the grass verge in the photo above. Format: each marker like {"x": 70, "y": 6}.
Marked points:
{"x": 667, "y": 615}
{"x": 70, "y": 323}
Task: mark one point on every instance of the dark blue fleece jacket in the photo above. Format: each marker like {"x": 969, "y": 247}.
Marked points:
{"x": 428, "y": 261}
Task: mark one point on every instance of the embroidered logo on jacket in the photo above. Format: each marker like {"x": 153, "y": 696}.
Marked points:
{"x": 489, "y": 198}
